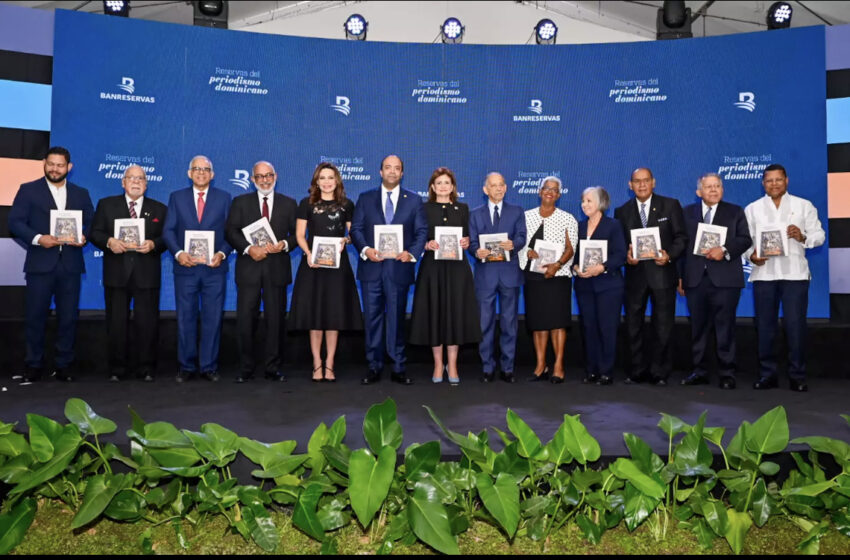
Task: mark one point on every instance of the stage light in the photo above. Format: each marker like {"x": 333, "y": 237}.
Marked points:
{"x": 779, "y": 15}
{"x": 355, "y": 27}
{"x": 674, "y": 21}
{"x": 116, "y": 8}
{"x": 546, "y": 32}
{"x": 452, "y": 31}
{"x": 210, "y": 13}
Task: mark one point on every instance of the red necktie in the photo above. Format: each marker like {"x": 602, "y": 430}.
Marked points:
{"x": 266, "y": 207}
{"x": 200, "y": 206}
{"x": 133, "y": 209}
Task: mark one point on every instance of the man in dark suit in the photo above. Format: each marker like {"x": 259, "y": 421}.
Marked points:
{"x": 385, "y": 283}
{"x": 654, "y": 279}
{"x": 497, "y": 279}
{"x": 262, "y": 272}
{"x": 52, "y": 268}
{"x": 199, "y": 207}
{"x": 712, "y": 281}
{"x": 131, "y": 273}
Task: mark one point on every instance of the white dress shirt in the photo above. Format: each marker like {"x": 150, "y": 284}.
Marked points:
{"x": 138, "y": 206}
{"x": 393, "y": 194}
{"x": 492, "y": 206}
{"x": 195, "y": 192}
{"x": 270, "y": 199}
{"x": 647, "y": 206}
{"x": 792, "y": 210}
{"x": 60, "y": 198}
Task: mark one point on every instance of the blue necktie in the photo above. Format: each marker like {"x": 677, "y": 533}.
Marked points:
{"x": 707, "y": 217}
{"x": 643, "y": 214}
{"x": 495, "y": 216}
{"x": 388, "y": 210}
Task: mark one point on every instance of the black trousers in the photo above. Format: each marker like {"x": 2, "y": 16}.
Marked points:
{"x": 712, "y": 306}
{"x": 248, "y": 297}
{"x": 663, "y": 315}
{"x": 137, "y": 343}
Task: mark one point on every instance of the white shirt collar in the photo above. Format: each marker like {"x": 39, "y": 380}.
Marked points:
{"x": 139, "y": 201}
{"x": 197, "y": 191}
{"x": 56, "y": 185}
{"x": 648, "y": 203}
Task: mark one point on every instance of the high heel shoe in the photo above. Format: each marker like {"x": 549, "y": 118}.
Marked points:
{"x": 435, "y": 379}
{"x": 556, "y": 379}
{"x": 318, "y": 379}
{"x": 330, "y": 379}
{"x": 452, "y": 380}
{"x": 543, "y": 376}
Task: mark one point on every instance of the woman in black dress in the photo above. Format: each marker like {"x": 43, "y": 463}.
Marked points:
{"x": 324, "y": 300}
{"x": 445, "y": 311}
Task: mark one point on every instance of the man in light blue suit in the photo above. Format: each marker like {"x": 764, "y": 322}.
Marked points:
{"x": 385, "y": 283}
{"x": 497, "y": 279}
{"x": 199, "y": 207}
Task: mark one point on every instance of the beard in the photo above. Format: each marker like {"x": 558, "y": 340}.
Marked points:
{"x": 54, "y": 177}
{"x": 266, "y": 192}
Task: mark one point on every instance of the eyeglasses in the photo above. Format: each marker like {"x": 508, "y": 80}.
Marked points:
{"x": 550, "y": 189}
{"x": 200, "y": 169}
{"x": 265, "y": 176}
{"x": 135, "y": 178}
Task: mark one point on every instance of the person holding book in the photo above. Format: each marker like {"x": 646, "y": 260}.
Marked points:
{"x": 324, "y": 298}
{"x": 497, "y": 275}
{"x": 782, "y": 280}
{"x": 712, "y": 280}
{"x": 599, "y": 285}
{"x": 445, "y": 312}
{"x": 548, "y": 287}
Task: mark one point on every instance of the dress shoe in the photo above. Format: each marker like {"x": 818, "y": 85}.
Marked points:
{"x": 590, "y": 379}
{"x": 604, "y": 380}
{"x": 61, "y": 374}
{"x": 799, "y": 386}
{"x": 659, "y": 382}
{"x": 487, "y": 377}
{"x": 31, "y": 375}
{"x": 275, "y": 376}
{"x": 633, "y": 380}
{"x": 401, "y": 378}
{"x": 765, "y": 383}
{"x": 556, "y": 379}
{"x": 695, "y": 379}
{"x": 507, "y": 377}
{"x": 210, "y": 376}
{"x": 147, "y": 377}
{"x": 372, "y": 377}
{"x": 114, "y": 379}
{"x": 183, "y": 376}
{"x": 542, "y": 376}
{"x": 244, "y": 378}
{"x": 727, "y": 383}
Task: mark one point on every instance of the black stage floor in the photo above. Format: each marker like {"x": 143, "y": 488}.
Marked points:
{"x": 273, "y": 412}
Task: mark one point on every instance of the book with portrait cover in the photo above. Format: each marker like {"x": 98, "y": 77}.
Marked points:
{"x": 67, "y": 225}
{"x": 131, "y": 232}
{"x": 200, "y": 244}
{"x": 259, "y": 233}
{"x": 646, "y": 243}
{"x": 389, "y": 240}
{"x": 492, "y": 242}
{"x": 326, "y": 251}
{"x": 448, "y": 238}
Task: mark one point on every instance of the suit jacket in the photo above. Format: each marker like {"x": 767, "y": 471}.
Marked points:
{"x": 724, "y": 273}
{"x": 368, "y": 212}
{"x": 244, "y": 211}
{"x": 610, "y": 230}
{"x": 182, "y": 215}
{"x": 488, "y": 275}
{"x": 30, "y": 216}
{"x": 666, "y": 214}
{"x": 118, "y": 269}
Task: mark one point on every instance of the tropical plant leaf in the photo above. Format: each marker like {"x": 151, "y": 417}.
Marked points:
{"x": 160, "y": 435}
{"x": 716, "y": 517}
{"x": 370, "y": 481}
{"x": 15, "y": 523}
{"x": 215, "y": 443}
{"x": 672, "y": 425}
{"x": 336, "y": 433}
{"x": 265, "y": 454}
{"x": 471, "y": 446}
{"x": 738, "y": 525}
{"x": 705, "y": 536}
{"x": 764, "y": 505}
{"x": 381, "y": 427}
{"x": 65, "y": 449}
{"x": 841, "y": 520}
{"x": 839, "y": 450}
{"x": 501, "y": 500}
{"x": 421, "y": 458}
{"x": 811, "y": 543}
{"x": 178, "y": 457}
{"x": 100, "y": 489}
{"x": 592, "y": 532}
{"x": 318, "y": 439}
{"x": 528, "y": 443}
{"x": 81, "y": 414}
{"x": 332, "y": 515}
{"x": 626, "y": 469}
{"x": 557, "y": 448}
{"x": 283, "y": 466}
{"x": 769, "y": 434}
{"x": 261, "y": 526}
{"x": 810, "y": 489}
{"x": 643, "y": 456}
{"x": 304, "y": 516}
{"x": 692, "y": 456}
{"x": 739, "y": 456}
{"x": 714, "y": 435}
{"x": 509, "y": 462}
{"x": 127, "y": 505}
{"x": 768, "y": 468}
{"x": 637, "y": 506}
{"x": 13, "y": 445}
{"x": 43, "y": 435}
{"x": 429, "y": 519}
{"x": 582, "y": 446}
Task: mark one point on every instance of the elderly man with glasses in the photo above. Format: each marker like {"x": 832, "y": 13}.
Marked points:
{"x": 198, "y": 287}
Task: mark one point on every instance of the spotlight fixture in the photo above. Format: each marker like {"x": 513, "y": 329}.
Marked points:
{"x": 210, "y": 13}
{"x": 355, "y": 27}
{"x": 779, "y": 15}
{"x": 546, "y": 32}
{"x": 452, "y": 31}
{"x": 116, "y": 8}
{"x": 674, "y": 21}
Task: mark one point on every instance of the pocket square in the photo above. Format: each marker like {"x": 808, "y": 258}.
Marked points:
{"x": 156, "y": 220}
{"x": 662, "y": 219}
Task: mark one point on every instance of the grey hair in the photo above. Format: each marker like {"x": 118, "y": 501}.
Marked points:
{"x": 254, "y": 167}
{"x": 706, "y": 176}
{"x": 601, "y": 195}
{"x": 490, "y": 174}
{"x": 129, "y": 167}
{"x": 201, "y": 156}
{"x": 553, "y": 179}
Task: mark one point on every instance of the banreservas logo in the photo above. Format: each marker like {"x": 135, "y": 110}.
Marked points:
{"x": 342, "y": 105}
{"x": 241, "y": 179}
{"x": 536, "y": 106}
{"x": 746, "y": 101}
{"x": 128, "y": 85}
